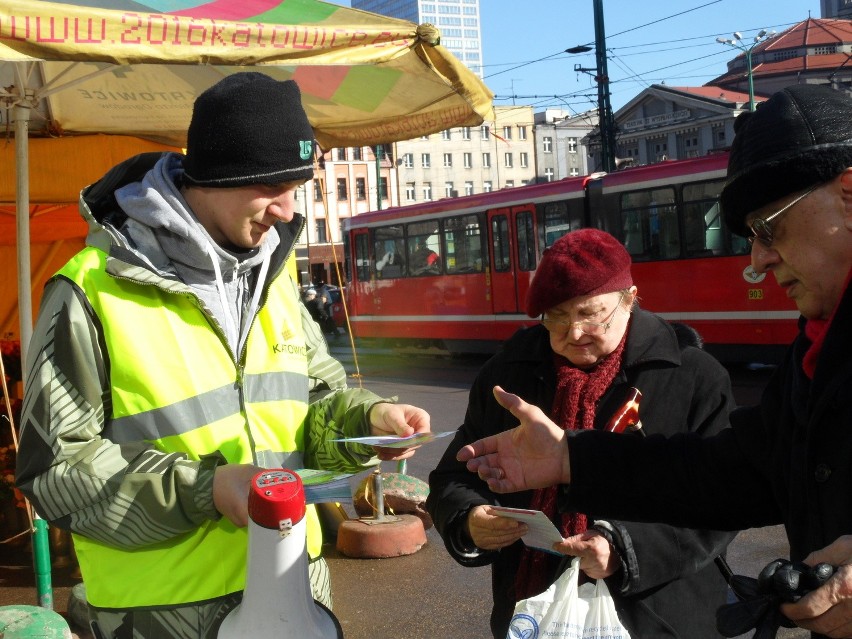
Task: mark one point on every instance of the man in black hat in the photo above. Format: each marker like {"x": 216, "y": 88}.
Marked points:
{"x": 173, "y": 360}
{"x": 786, "y": 461}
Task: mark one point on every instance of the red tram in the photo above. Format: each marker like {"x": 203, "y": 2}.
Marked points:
{"x": 454, "y": 273}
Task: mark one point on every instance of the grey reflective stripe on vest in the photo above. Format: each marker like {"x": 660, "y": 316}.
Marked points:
{"x": 275, "y": 459}
{"x": 194, "y": 412}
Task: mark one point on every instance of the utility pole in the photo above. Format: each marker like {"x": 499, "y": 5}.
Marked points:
{"x": 605, "y": 119}
{"x": 606, "y": 124}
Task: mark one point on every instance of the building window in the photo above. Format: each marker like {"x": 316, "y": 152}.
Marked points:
{"x": 524, "y": 158}
{"x": 548, "y": 174}
{"x": 522, "y": 133}
{"x": 789, "y": 54}
{"x": 468, "y": 160}
{"x": 465, "y": 133}
{"x": 425, "y": 160}
{"x": 361, "y": 188}
{"x": 408, "y": 160}
{"x": 322, "y": 233}
{"x": 574, "y": 171}
{"x": 507, "y": 160}
{"x": 341, "y": 155}
{"x": 383, "y": 188}
{"x": 427, "y": 191}
{"x": 357, "y": 153}
{"x": 507, "y": 133}
{"x": 547, "y": 144}
{"x": 445, "y": 134}
{"x": 317, "y": 191}
{"x": 448, "y": 159}
{"x": 468, "y": 188}
{"x": 341, "y": 189}
{"x": 487, "y": 187}
{"x": 448, "y": 189}
{"x": 510, "y": 184}
{"x": 572, "y": 145}
{"x": 409, "y": 192}
{"x": 483, "y": 132}
{"x": 486, "y": 160}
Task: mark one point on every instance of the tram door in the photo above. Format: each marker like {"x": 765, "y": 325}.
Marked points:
{"x": 511, "y": 234}
{"x": 361, "y": 275}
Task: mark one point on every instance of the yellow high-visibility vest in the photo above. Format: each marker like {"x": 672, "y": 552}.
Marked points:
{"x": 175, "y": 385}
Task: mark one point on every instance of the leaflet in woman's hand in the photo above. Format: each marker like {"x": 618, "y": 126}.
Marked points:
{"x": 542, "y": 534}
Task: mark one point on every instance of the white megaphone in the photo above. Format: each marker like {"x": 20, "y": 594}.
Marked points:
{"x": 277, "y": 600}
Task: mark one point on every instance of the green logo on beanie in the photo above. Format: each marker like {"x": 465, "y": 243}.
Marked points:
{"x": 305, "y": 148}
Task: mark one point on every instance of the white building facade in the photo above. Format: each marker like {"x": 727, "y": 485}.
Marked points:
{"x": 468, "y": 160}
{"x": 560, "y": 145}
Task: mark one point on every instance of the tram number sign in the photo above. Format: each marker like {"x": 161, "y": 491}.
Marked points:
{"x": 755, "y": 293}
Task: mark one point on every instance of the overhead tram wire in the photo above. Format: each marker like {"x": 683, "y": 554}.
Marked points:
{"x": 635, "y": 46}
{"x": 553, "y": 55}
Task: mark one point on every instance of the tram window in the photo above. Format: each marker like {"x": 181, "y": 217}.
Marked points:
{"x": 362, "y": 257}
{"x": 717, "y": 239}
{"x": 556, "y": 222}
{"x": 424, "y": 248}
{"x": 389, "y": 249}
{"x": 463, "y": 244}
{"x": 650, "y": 224}
{"x": 739, "y": 245}
{"x": 500, "y": 243}
{"x": 702, "y": 223}
{"x": 526, "y": 241}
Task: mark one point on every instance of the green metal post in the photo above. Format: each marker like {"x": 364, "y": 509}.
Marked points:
{"x": 750, "y": 78}
{"x": 41, "y": 563}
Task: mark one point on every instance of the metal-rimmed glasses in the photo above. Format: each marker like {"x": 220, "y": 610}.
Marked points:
{"x": 585, "y": 326}
{"x": 761, "y": 227}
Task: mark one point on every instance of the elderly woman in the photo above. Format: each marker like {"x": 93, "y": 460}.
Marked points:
{"x": 593, "y": 346}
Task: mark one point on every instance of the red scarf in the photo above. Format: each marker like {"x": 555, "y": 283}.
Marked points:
{"x": 815, "y": 330}
{"x": 574, "y": 408}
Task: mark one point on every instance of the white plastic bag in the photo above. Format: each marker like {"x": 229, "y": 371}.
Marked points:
{"x": 565, "y": 611}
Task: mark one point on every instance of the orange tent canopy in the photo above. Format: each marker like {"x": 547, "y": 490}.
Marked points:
{"x": 59, "y": 169}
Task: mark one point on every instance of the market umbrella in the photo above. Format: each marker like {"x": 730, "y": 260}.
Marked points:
{"x": 134, "y": 68}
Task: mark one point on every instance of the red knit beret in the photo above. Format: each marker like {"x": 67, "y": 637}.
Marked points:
{"x": 582, "y": 262}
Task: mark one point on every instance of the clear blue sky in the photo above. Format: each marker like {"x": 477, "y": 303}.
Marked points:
{"x": 648, "y": 42}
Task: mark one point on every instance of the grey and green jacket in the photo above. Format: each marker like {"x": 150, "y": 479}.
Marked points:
{"x": 129, "y": 493}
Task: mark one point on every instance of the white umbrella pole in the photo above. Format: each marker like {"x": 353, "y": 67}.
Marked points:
{"x": 21, "y": 115}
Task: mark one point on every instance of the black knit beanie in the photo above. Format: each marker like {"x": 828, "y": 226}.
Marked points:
{"x": 801, "y": 136}
{"x": 249, "y": 129}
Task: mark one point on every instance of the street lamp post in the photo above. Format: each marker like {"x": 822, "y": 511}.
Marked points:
{"x": 737, "y": 43}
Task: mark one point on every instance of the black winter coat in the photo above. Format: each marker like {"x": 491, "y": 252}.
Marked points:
{"x": 784, "y": 461}
{"x": 669, "y": 586}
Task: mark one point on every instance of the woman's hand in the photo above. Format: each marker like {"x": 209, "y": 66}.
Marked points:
{"x": 489, "y": 531}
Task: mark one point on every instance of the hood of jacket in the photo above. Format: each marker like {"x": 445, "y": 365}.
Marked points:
{"x": 138, "y": 216}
